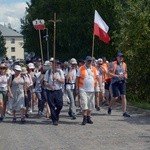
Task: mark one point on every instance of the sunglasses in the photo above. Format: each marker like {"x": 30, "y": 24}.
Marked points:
{"x": 17, "y": 70}
{"x": 99, "y": 64}
{"x": 32, "y": 70}
{"x": 2, "y": 68}
{"x": 89, "y": 60}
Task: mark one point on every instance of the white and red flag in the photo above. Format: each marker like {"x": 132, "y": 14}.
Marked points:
{"x": 101, "y": 28}
{"x": 39, "y": 24}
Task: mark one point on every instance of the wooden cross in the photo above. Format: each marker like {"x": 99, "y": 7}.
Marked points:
{"x": 54, "y": 43}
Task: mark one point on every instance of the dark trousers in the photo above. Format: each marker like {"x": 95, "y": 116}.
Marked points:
{"x": 55, "y": 101}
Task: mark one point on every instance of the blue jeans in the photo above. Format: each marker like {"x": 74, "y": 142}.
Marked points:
{"x": 55, "y": 102}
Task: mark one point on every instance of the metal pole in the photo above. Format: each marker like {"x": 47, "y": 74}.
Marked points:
{"x": 41, "y": 45}
{"x": 47, "y": 43}
{"x": 93, "y": 46}
{"x": 54, "y": 46}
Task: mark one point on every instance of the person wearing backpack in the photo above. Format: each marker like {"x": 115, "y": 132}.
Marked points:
{"x": 70, "y": 87}
{"x": 54, "y": 80}
{"x": 118, "y": 72}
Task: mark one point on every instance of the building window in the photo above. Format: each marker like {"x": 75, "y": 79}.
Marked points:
{"x": 12, "y": 40}
{"x": 12, "y": 49}
{"x": 13, "y": 57}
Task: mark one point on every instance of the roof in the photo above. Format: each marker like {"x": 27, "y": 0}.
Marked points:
{"x": 6, "y": 32}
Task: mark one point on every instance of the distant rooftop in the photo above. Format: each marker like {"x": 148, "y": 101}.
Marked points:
{"x": 6, "y": 32}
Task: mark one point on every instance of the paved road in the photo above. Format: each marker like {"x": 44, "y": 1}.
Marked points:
{"x": 107, "y": 133}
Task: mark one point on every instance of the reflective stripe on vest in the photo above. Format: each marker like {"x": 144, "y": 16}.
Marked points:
{"x": 82, "y": 76}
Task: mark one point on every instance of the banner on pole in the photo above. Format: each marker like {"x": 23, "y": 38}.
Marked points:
{"x": 39, "y": 24}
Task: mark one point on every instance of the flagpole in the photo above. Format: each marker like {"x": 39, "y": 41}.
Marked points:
{"x": 93, "y": 46}
{"x": 41, "y": 45}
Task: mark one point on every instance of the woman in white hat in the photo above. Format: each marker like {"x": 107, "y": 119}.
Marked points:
{"x": 31, "y": 73}
{"x": 3, "y": 90}
{"x": 16, "y": 92}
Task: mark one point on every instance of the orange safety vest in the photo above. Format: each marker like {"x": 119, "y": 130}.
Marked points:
{"x": 106, "y": 75}
{"x": 82, "y": 76}
{"x": 124, "y": 66}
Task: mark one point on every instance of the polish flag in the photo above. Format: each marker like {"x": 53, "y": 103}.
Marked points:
{"x": 101, "y": 28}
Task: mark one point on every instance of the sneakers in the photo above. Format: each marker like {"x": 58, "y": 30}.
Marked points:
{"x": 55, "y": 123}
{"x": 97, "y": 108}
{"x": 89, "y": 120}
{"x": 40, "y": 114}
{"x": 14, "y": 120}
{"x": 125, "y": 114}
{"x": 70, "y": 114}
{"x": 27, "y": 115}
{"x": 1, "y": 118}
{"x": 109, "y": 111}
{"x": 23, "y": 120}
{"x": 74, "y": 117}
{"x": 84, "y": 120}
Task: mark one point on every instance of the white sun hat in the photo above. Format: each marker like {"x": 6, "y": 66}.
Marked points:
{"x": 24, "y": 70}
{"x": 18, "y": 68}
{"x": 47, "y": 63}
{"x": 51, "y": 59}
{"x": 73, "y": 61}
{"x": 100, "y": 60}
{"x": 31, "y": 66}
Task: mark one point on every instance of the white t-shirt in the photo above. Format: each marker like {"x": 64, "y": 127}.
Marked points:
{"x": 3, "y": 82}
{"x": 28, "y": 80}
{"x": 72, "y": 74}
{"x": 88, "y": 83}
{"x": 49, "y": 78}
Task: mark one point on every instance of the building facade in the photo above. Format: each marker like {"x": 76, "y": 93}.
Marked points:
{"x": 14, "y": 43}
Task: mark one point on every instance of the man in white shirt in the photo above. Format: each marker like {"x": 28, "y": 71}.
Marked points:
{"x": 54, "y": 81}
{"x": 87, "y": 78}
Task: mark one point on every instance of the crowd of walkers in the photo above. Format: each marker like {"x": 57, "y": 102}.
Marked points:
{"x": 92, "y": 83}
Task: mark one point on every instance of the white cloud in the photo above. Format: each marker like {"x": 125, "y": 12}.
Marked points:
{"x": 12, "y": 13}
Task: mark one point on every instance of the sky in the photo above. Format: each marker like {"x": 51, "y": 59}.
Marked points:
{"x": 11, "y": 11}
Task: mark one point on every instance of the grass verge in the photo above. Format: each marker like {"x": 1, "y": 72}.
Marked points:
{"x": 143, "y": 105}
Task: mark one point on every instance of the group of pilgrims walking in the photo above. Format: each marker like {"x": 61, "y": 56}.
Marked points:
{"x": 87, "y": 84}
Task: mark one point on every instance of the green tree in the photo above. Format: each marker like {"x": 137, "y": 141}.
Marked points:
{"x": 134, "y": 40}
{"x": 2, "y": 45}
{"x": 129, "y": 23}
{"x": 74, "y": 33}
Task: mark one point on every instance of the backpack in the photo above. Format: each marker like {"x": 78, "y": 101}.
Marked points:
{"x": 49, "y": 73}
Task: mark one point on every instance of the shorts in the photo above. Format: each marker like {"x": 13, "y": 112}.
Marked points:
{"x": 97, "y": 89}
{"x": 4, "y": 96}
{"x": 87, "y": 100}
{"x": 118, "y": 88}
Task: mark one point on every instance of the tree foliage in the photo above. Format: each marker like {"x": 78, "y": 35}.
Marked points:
{"x": 129, "y": 23}
{"x": 133, "y": 38}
